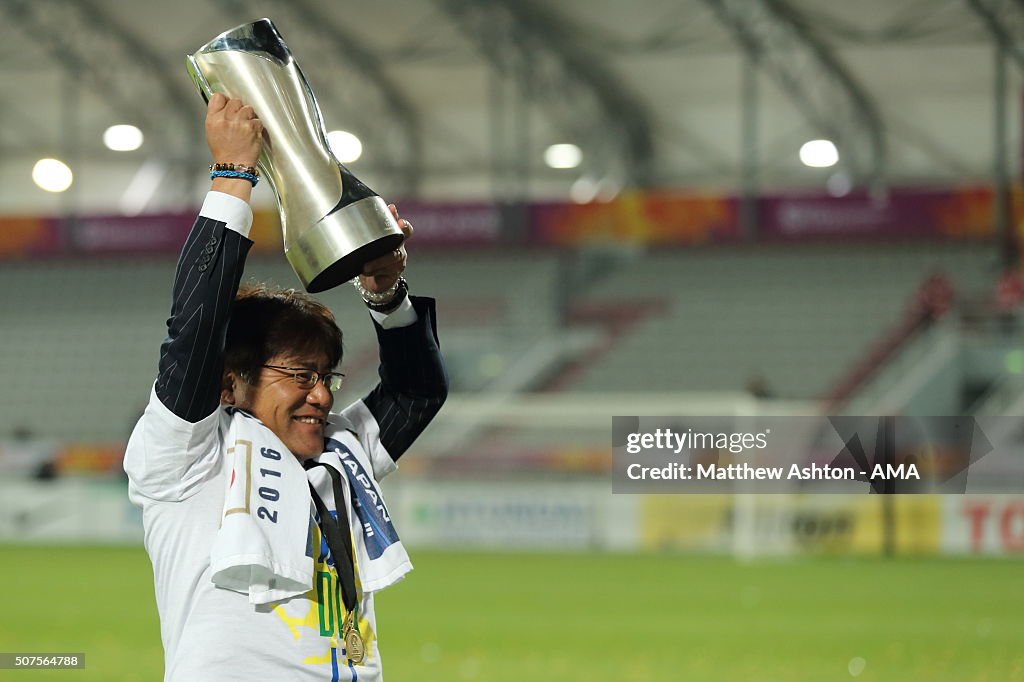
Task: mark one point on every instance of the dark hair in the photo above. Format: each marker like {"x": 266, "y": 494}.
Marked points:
{"x": 267, "y": 321}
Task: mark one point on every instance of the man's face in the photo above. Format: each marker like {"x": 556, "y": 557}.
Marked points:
{"x": 296, "y": 415}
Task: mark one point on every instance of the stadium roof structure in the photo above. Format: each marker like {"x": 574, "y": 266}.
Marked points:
{"x": 458, "y": 99}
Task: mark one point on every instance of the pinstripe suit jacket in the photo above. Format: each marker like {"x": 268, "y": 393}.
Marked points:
{"x": 413, "y": 383}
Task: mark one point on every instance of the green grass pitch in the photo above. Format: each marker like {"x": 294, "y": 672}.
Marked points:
{"x": 569, "y": 617}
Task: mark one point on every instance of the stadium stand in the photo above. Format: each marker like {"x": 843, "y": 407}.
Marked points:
{"x": 87, "y": 378}
{"x": 796, "y": 316}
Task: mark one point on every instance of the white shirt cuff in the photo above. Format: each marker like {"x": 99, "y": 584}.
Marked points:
{"x": 232, "y": 211}
{"x": 402, "y": 316}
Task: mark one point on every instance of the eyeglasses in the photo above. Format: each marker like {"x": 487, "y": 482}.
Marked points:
{"x": 306, "y": 378}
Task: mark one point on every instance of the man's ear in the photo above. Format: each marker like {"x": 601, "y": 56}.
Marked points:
{"x": 227, "y": 388}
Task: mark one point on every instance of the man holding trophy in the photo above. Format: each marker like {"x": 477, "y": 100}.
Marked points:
{"x": 263, "y": 516}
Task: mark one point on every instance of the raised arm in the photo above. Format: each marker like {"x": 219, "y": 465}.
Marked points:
{"x": 209, "y": 270}
{"x": 413, "y": 381}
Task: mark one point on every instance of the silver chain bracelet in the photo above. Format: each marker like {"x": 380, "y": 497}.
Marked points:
{"x": 375, "y": 298}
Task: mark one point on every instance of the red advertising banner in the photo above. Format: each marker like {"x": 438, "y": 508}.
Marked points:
{"x": 163, "y": 233}
{"x": 266, "y": 232}
{"x": 25, "y": 237}
{"x": 455, "y": 224}
{"x": 658, "y": 218}
{"x": 901, "y": 214}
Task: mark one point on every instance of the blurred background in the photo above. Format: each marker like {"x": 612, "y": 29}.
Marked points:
{"x": 656, "y": 207}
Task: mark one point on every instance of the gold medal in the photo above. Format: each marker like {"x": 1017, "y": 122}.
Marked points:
{"x": 354, "y": 649}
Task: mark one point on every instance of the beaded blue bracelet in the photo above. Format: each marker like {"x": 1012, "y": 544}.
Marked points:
{"x": 235, "y": 174}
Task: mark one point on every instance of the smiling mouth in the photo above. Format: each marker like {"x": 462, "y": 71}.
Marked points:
{"x": 315, "y": 421}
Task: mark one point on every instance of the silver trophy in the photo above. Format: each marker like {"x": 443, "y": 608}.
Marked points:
{"x": 333, "y": 224}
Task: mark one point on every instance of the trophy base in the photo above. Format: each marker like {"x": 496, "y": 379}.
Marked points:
{"x": 335, "y": 249}
{"x": 351, "y": 265}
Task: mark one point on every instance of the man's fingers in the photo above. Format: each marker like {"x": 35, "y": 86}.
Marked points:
{"x": 253, "y": 124}
{"x": 403, "y": 224}
{"x": 216, "y": 103}
{"x": 406, "y": 227}
{"x": 246, "y": 112}
{"x": 233, "y": 106}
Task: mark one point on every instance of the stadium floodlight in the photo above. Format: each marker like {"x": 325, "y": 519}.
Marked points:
{"x": 345, "y": 146}
{"x": 563, "y": 156}
{"x": 52, "y": 175}
{"x": 819, "y": 154}
{"x": 122, "y": 138}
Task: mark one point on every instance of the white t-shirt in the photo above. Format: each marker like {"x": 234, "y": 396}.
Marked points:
{"x": 178, "y": 476}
